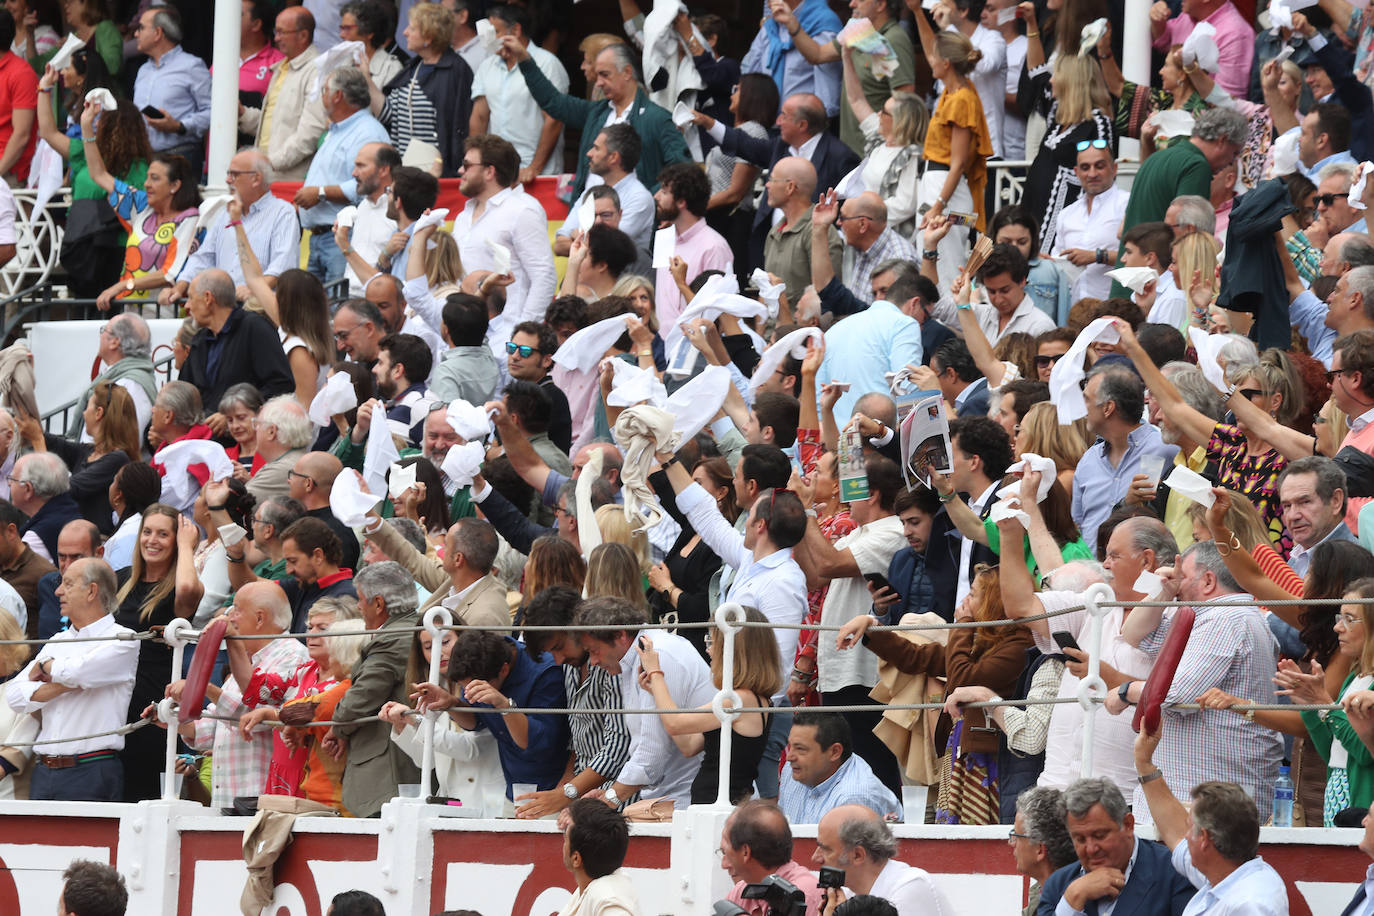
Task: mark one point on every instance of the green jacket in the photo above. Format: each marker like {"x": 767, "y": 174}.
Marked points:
{"x": 663, "y": 144}
{"x": 1359, "y": 767}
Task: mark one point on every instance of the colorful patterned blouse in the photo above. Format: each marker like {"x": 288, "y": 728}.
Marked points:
{"x": 1254, "y": 476}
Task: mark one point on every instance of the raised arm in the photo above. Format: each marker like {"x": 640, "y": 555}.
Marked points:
{"x": 1171, "y": 818}
{"x": 822, "y": 218}
{"x": 964, "y": 518}
{"x": 48, "y": 131}
{"x": 858, "y": 102}
{"x": 1242, "y": 564}
{"x": 1194, "y": 423}
{"x": 993, "y": 369}
{"x": 253, "y": 276}
{"x": 95, "y": 163}
{"x": 1018, "y": 589}
{"x": 812, "y": 50}
{"x": 189, "y": 591}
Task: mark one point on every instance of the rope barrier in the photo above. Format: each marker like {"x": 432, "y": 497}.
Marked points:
{"x": 122, "y": 730}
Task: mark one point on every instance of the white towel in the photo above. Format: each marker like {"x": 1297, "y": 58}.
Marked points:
{"x": 105, "y": 97}
{"x": 1009, "y": 507}
{"x": 381, "y": 452}
{"x": 1136, "y": 279}
{"x": 401, "y": 478}
{"x": 1189, "y": 483}
{"x": 585, "y": 348}
{"x": 432, "y": 218}
{"x": 695, "y": 403}
{"x": 793, "y": 344}
{"x": 1172, "y": 122}
{"x": 337, "y": 396}
{"x": 1356, "y": 199}
{"x": 1201, "y": 47}
{"x": 1280, "y": 16}
{"x": 1068, "y": 373}
{"x": 682, "y": 115}
{"x": 471, "y": 423}
{"x": 640, "y": 432}
{"x": 1049, "y": 473}
{"x": 588, "y": 531}
{"x": 463, "y": 462}
{"x": 346, "y": 216}
{"x": 500, "y": 256}
{"x": 348, "y": 502}
{"x": 1208, "y": 346}
{"x": 1091, "y": 35}
{"x": 210, "y": 208}
{"x": 343, "y": 54}
{"x": 64, "y": 54}
{"x": 178, "y": 487}
{"x": 631, "y": 385}
{"x": 769, "y": 291}
{"x": 486, "y": 36}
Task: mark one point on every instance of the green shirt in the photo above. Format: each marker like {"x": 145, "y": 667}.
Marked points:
{"x": 1167, "y": 175}
{"x": 877, "y": 90}
{"x": 1359, "y": 765}
{"x": 271, "y": 571}
{"x": 85, "y": 188}
{"x": 1074, "y": 550}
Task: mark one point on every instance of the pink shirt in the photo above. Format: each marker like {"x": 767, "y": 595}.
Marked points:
{"x": 255, "y": 73}
{"x": 798, "y": 875}
{"x": 703, "y": 249}
{"x": 1235, "y": 42}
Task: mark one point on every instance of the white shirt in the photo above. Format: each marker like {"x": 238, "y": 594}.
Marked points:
{"x": 11, "y": 601}
{"x": 1091, "y": 223}
{"x": 1027, "y": 318}
{"x": 806, "y": 150}
{"x": 774, "y": 584}
{"x": 1170, "y": 307}
{"x": 102, "y": 672}
{"x": 989, "y": 78}
{"x": 33, "y": 540}
{"x": 655, "y": 761}
{"x": 1113, "y": 739}
{"x": 910, "y": 890}
{"x": 119, "y": 549}
{"x": 1366, "y": 907}
{"x": 472, "y": 52}
{"x": 516, "y": 220}
{"x": 1013, "y": 125}
{"x": 872, "y": 546}
{"x": 514, "y": 113}
{"x": 1362, "y": 421}
{"x": 963, "y": 586}
{"x": 1254, "y": 889}
{"x": 372, "y": 229}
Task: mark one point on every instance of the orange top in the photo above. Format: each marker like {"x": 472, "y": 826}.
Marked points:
{"x": 323, "y": 781}
{"x": 962, "y": 108}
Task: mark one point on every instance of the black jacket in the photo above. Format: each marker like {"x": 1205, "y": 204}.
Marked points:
{"x": 448, "y": 85}
{"x": 1353, "y": 94}
{"x": 250, "y": 351}
{"x": 1252, "y": 278}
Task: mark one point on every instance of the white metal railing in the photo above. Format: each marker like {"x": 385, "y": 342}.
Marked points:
{"x": 38, "y": 241}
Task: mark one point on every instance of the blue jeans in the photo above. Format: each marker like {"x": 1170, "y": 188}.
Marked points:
{"x": 95, "y": 780}
{"x": 326, "y": 261}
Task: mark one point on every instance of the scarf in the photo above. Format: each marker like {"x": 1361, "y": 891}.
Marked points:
{"x": 138, "y": 369}
{"x": 813, "y": 17}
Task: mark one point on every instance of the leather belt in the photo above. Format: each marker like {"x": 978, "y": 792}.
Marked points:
{"x": 67, "y": 761}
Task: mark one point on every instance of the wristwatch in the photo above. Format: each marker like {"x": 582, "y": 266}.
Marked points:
{"x": 611, "y": 798}
{"x": 129, "y": 285}
{"x": 1150, "y": 777}
{"x": 570, "y": 790}
{"x": 1123, "y": 691}
{"x": 320, "y": 191}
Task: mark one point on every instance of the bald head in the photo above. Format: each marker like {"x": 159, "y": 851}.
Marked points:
{"x": 322, "y": 467}
{"x": 217, "y": 285}
{"x": 801, "y": 175}
{"x": 801, "y": 118}
{"x": 262, "y": 608}
{"x": 871, "y": 205}
{"x": 78, "y": 539}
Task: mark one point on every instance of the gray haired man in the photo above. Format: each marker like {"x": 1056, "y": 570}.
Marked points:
{"x": 1039, "y": 838}
{"x": 857, "y": 840}
{"x": 126, "y": 350}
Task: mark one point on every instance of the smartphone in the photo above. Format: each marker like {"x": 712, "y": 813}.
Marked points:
{"x": 878, "y": 579}
{"x": 830, "y": 877}
{"x": 152, "y": 112}
{"x": 1065, "y": 640}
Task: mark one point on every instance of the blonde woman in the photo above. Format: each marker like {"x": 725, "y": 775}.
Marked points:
{"x": 957, "y": 145}
{"x": 758, "y": 676}
{"x": 615, "y": 529}
{"x": 613, "y": 572}
{"x": 1195, "y": 268}
{"x": 1040, "y": 434}
{"x": 1078, "y": 117}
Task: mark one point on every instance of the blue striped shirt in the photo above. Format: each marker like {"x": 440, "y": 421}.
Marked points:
{"x": 179, "y": 86}
{"x": 852, "y": 784}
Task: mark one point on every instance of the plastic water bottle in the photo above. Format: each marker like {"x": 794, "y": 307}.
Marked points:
{"x": 1283, "y": 799}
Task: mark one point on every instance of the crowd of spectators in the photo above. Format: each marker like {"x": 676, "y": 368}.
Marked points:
{"x": 380, "y": 405}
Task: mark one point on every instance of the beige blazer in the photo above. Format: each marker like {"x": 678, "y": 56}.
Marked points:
{"x": 298, "y": 121}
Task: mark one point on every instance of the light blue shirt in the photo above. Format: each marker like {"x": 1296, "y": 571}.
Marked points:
{"x": 1049, "y": 289}
{"x": 1366, "y": 907}
{"x": 273, "y": 233}
{"x": 178, "y": 85}
{"x": 1312, "y": 173}
{"x": 799, "y": 75}
{"x": 863, "y": 347}
{"x": 1254, "y": 889}
{"x": 1098, "y": 486}
{"x": 1358, "y": 226}
{"x": 333, "y": 163}
{"x": 852, "y": 784}
{"x": 1308, "y": 315}
{"x": 515, "y": 115}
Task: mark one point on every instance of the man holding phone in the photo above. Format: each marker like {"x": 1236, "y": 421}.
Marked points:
{"x": 172, "y": 88}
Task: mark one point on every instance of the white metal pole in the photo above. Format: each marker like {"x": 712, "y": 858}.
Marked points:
{"x": 436, "y": 618}
{"x": 728, "y": 620}
{"x": 1092, "y": 686}
{"x": 177, "y": 635}
{"x": 224, "y": 91}
{"x": 1135, "y": 57}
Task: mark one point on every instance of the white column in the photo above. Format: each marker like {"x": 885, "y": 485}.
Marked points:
{"x": 1135, "y": 57}
{"x": 224, "y": 91}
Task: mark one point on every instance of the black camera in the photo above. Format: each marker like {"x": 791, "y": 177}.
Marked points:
{"x": 783, "y": 897}
{"x": 830, "y": 877}
{"x": 726, "y": 908}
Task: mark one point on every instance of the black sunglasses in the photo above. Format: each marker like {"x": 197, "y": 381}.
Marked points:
{"x": 1326, "y": 200}
{"x": 524, "y": 350}
{"x": 1250, "y": 393}
{"x": 1043, "y": 361}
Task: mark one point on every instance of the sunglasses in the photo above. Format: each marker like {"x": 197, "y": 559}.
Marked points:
{"x": 1094, "y": 144}
{"x": 1326, "y": 200}
{"x": 1250, "y": 393}
{"x": 524, "y": 350}
{"x": 1043, "y": 361}
{"x": 1333, "y": 374}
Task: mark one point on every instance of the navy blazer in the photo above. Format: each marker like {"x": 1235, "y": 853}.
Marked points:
{"x": 1154, "y": 888}
{"x": 1356, "y": 902}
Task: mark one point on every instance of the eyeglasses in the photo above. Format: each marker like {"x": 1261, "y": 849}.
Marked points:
{"x": 295, "y": 473}
{"x": 1332, "y": 374}
{"x": 1094, "y": 144}
{"x": 1345, "y": 620}
{"x": 1012, "y": 834}
{"x": 524, "y": 350}
{"x": 1043, "y": 361}
{"x": 235, "y": 173}
{"x": 15, "y": 480}
{"x": 286, "y": 31}
{"x": 344, "y": 335}
{"x": 1326, "y": 200}
{"x": 840, "y": 219}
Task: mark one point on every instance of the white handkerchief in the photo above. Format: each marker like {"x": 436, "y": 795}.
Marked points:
{"x": 348, "y": 502}
{"x": 1201, "y": 47}
{"x": 1049, "y": 473}
{"x": 586, "y": 213}
{"x": 469, "y": 421}
{"x": 631, "y": 385}
{"x": 1280, "y": 16}
{"x": 64, "y": 54}
{"x": 463, "y": 462}
{"x": 665, "y": 245}
{"x": 1068, "y": 373}
{"x": 210, "y": 209}
{"x": 105, "y": 97}
{"x": 1136, "y": 279}
{"x": 1009, "y": 507}
{"x": 1208, "y": 346}
{"x": 793, "y": 344}
{"x": 178, "y": 487}
{"x": 898, "y": 382}
{"x": 337, "y": 396}
{"x": 45, "y": 173}
{"x": 585, "y": 348}
{"x": 682, "y": 115}
{"x": 1174, "y": 122}
{"x": 500, "y": 257}
{"x": 434, "y": 217}
{"x": 769, "y": 291}
{"x": 420, "y": 154}
{"x": 712, "y": 307}
{"x": 695, "y": 403}
{"x": 346, "y": 216}
{"x": 1356, "y": 199}
{"x": 1092, "y": 34}
{"x": 343, "y": 54}
{"x": 381, "y": 451}
{"x": 486, "y": 35}
{"x": 929, "y": 5}
{"x": 1191, "y": 484}
{"x": 1147, "y": 583}
{"x": 401, "y": 478}
{"x": 1006, "y": 15}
